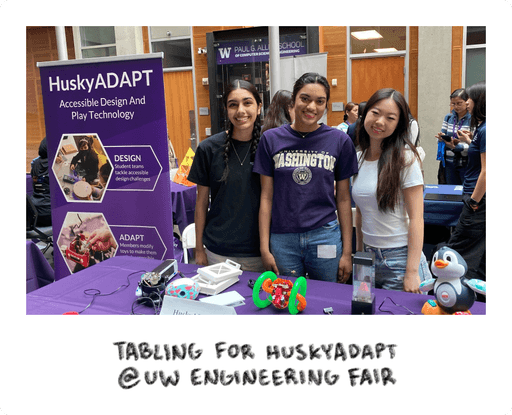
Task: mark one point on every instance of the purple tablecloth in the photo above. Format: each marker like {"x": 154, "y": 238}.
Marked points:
{"x": 29, "y": 184}
{"x": 39, "y": 271}
{"x": 68, "y": 294}
{"x": 183, "y": 200}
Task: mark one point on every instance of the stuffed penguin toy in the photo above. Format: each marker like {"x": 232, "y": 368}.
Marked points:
{"x": 454, "y": 293}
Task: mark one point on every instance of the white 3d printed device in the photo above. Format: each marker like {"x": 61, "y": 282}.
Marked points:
{"x": 214, "y": 279}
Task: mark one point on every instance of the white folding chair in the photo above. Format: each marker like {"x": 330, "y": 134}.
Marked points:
{"x": 188, "y": 240}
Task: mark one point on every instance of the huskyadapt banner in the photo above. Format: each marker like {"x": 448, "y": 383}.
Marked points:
{"x": 109, "y": 156}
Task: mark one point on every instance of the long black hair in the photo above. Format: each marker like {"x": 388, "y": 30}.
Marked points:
{"x": 477, "y": 93}
{"x": 392, "y": 159}
{"x": 256, "y": 131}
{"x": 278, "y": 112}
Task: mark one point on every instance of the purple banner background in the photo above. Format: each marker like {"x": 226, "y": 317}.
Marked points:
{"x": 119, "y": 102}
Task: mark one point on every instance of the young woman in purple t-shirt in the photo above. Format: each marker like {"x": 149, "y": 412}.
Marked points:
{"x": 299, "y": 165}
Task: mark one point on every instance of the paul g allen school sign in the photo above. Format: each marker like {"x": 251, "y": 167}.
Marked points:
{"x": 243, "y": 51}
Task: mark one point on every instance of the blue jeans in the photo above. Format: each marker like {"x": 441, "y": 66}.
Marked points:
{"x": 390, "y": 267}
{"x": 316, "y": 252}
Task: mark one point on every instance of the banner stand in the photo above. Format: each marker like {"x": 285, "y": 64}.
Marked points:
{"x": 109, "y": 159}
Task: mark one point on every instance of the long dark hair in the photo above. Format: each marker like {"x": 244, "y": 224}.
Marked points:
{"x": 256, "y": 131}
{"x": 392, "y": 159}
{"x": 477, "y": 93}
{"x": 278, "y": 111}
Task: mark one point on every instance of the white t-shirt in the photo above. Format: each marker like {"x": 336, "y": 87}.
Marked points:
{"x": 390, "y": 229}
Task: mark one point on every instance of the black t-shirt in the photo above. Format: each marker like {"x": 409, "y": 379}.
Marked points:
{"x": 231, "y": 227}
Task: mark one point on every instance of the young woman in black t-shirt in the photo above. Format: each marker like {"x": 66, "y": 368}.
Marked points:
{"x": 227, "y": 225}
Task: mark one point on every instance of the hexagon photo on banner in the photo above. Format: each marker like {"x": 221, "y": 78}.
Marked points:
{"x": 82, "y": 168}
{"x": 85, "y": 239}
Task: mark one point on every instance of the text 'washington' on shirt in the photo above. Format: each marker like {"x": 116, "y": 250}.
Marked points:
{"x": 304, "y": 170}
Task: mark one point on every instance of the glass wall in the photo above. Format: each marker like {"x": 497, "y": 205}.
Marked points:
{"x": 97, "y": 41}
{"x": 475, "y": 55}
{"x": 175, "y": 43}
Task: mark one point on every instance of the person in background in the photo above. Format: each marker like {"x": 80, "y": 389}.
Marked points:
{"x": 280, "y": 111}
{"x": 300, "y": 217}
{"x": 351, "y": 131}
{"x": 350, "y": 117}
{"x": 414, "y": 131}
{"x": 453, "y": 154}
{"x": 41, "y": 186}
{"x": 468, "y": 238}
{"x": 388, "y": 192}
{"x": 414, "y": 137}
{"x": 222, "y": 170}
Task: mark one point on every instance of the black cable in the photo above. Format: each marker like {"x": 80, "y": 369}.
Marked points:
{"x": 97, "y": 293}
{"x": 250, "y": 284}
{"x": 144, "y": 300}
{"x": 398, "y": 305}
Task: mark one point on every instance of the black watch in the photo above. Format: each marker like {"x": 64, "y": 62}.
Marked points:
{"x": 472, "y": 202}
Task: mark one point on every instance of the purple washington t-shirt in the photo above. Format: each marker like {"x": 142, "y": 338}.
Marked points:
{"x": 304, "y": 172}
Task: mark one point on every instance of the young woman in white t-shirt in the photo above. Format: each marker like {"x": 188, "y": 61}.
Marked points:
{"x": 388, "y": 192}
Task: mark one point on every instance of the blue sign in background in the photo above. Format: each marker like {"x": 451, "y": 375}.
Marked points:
{"x": 119, "y": 102}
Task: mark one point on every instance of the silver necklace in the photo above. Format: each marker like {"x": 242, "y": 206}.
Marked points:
{"x": 303, "y": 135}
{"x": 241, "y": 161}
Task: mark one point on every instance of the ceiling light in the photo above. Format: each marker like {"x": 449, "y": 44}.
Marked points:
{"x": 366, "y": 35}
{"x": 383, "y": 50}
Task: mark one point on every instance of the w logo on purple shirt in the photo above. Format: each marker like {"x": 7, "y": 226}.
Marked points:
{"x": 302, "y": 175}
